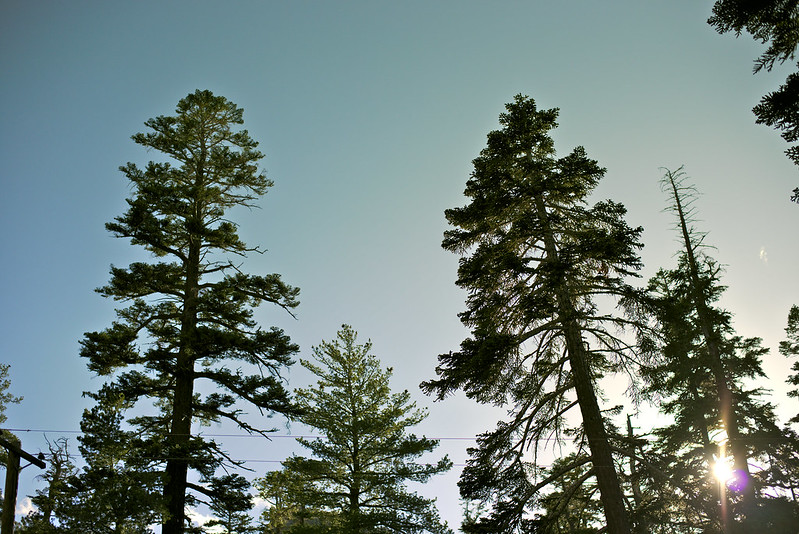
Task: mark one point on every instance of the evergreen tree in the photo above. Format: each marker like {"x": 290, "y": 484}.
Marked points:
{"x": 360, "y": 467}
{"x": 702, "y": 379}
{"x": 52, "y": 501}
{"x": 230, "y": 502}
{"x": 6, "y": 398}
{"x": 535, "y": 260}
{"x": 189, "y": 314}
{"x": 775, "y": 22}
{"x": 571, "y": 506}
{"x": 790, "y": 347}
{"x": 288, "y": 510}
{"x": 119, "y": 486}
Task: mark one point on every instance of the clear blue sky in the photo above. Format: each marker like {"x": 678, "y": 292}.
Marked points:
{"x": 370, "y": 113}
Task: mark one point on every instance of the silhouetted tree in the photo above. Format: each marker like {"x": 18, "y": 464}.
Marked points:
{"x": 790, "y": 347}
{"x": 702, "y": 382}
{"x": 572, "y": 505}
{"x": 775, "y": 22}
{"x": 535, "y": 260}
{"x": 6, "y": 398}
{"x": 189, "y": 315}
{"x": 52, "y": 503}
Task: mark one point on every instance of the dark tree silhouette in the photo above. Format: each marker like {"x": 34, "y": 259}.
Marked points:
{"x": 775, "y": 22}
{"x": 535, "y": 260}
{"x": 189, "y": 314}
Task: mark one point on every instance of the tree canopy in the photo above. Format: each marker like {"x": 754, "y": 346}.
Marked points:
{"x": 188, "y": 315}
{"x": 535, "y": 258}
{"x": 366, "y": 454}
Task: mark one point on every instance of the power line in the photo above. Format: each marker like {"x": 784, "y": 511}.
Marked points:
{"x": 253, "y": 435}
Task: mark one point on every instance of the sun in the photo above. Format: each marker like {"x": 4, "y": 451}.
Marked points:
{"x": 722, "y": 469}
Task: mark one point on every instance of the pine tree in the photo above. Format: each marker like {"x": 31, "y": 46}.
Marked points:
{"x": 52, "y": 502}
{"x": 230, "y": 502}
{"x": 366, "y": 456}
{"x": 774, "y": 22}
{"x": 702, "y": 379}
{"x": 189, "y": 314}
{"x": 535, "y": 260}
{"x": 119, "y": 486}
{"x": 288, "y": 507}
{"x": 6, "y": 398}
{"x": 790, "y": 347}
{"x": 571, "y": 506}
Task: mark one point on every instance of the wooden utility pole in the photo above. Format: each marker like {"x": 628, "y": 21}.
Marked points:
{"x": 12, "y": 482}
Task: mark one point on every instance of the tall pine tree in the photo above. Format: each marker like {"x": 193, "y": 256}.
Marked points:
{"x": 189, "y": 313}
{"x": 535, "y": 258}
{"x": 704, "y": 380}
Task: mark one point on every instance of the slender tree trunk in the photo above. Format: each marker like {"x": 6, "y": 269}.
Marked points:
{"x": 635, "y": 481}
{"x": 180, "y": 432}
{"x": 727, "y": 410}
{"x": 602, "y": 458}
{"x": 610, "y": 494}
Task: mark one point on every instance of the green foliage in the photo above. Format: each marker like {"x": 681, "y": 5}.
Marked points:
{"x": 230, "y": 503}
{"x": 120, "y": 483}
{"x": 117, "y": 491}
{"x": 790, "y": 347}
{"x": 535, "y": 258}
{"x": 571, "y": 506}
{"x": 360, "y": 467}
{"x": 189, "y": 314}
{"x": 775, "y": 22}
{"x": 6, "y": 398}
{"x": 54, "y": 501}
{"x": 288, "y": 510}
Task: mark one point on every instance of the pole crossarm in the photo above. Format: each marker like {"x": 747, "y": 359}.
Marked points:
{"x": 22, "y": 454}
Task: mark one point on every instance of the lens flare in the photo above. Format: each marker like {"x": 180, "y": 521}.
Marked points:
{"x": 722, "y": 470}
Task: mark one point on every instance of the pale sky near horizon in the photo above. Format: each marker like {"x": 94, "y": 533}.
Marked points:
{"x": 369, "y": 113}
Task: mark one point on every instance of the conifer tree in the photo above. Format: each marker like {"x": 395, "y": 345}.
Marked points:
{"x": 231, "y": 502}
{"x": 360, "y": 467}
{"x": 702, "y": 380}
{"x": 774, "y": 22}
{"x": 790, "y": 347}
{"x": 118, "y": 488}
{"x": 189, "y": 313}
{"x": 6, "y": 398}
{"x": 53, "y": 501}
{"x": 534, "y": 260}
{"x": 288, "y": 509}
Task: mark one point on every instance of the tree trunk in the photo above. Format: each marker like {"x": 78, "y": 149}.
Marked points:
{"x": 610, "y": 494}
{"x": 602, "y": 458}
{"x": 727, "y": 410}
{"x": 180, "y": 433}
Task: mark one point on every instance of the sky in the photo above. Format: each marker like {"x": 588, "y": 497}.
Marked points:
{"x": 369, "y": 113}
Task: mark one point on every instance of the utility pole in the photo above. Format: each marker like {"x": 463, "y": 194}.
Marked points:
{"x": 12, "y": 481}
